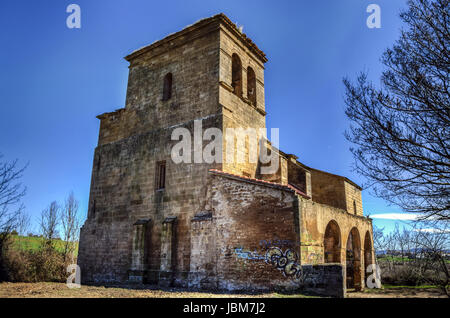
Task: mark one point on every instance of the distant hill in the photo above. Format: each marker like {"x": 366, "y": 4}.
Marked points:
{"x": 33, "y": 243}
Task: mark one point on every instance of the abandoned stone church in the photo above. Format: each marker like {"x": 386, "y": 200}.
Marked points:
{"x": 213, "y": 225}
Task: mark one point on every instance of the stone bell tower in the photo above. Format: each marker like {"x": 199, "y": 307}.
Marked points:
{"x": 141, "y": 202}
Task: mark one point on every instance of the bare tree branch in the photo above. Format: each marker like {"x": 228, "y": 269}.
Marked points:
{"x": 400, "y": 131}
{"x": 12, "y": 212}
{"x": 70, "y": 223}
{"x": 49, "y": 222}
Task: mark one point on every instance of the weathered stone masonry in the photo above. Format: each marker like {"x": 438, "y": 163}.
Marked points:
{"x": 218, "y": 225}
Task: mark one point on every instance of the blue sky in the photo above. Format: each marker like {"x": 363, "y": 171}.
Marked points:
{"x": 55, "y": 80}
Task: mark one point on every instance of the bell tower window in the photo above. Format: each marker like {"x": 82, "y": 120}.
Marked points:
{"x": 236, "y": 75}
{"x": 251, "y": 85}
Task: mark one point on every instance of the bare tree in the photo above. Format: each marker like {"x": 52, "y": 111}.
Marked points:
{"x": 431, "y": 245}
{"x": 417, "y": 254}
{"x": 11, "y": 210}
{"x": 11, "y": 192}
{"x": 70, "y": 224}
{"x": 50, "y": 218}
{"x": 23, "y": 224}
{"x": 401, "y": 131}
{"x": 379, "y": 243}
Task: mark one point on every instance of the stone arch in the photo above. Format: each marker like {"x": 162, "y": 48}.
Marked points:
{"x": 368, "y": 258}
{"x": 353, "y": 259}
{"x": 236, "y": 74}
{"x": 332, "y": 243}
{"x": 251, "y": 85}
{"x": 167, "y": 86}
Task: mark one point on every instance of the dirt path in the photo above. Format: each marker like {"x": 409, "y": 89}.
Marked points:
{"x": 52, "y": 290}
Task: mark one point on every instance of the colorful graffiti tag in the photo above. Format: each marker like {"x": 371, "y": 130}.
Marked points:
{"x": 246, "y": 254}
{"x": 275, "y": 242}
{"x": 286, "y": 262}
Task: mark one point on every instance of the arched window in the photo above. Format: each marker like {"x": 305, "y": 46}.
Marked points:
{"x": 251, "y": 85}
{"x": 236, "y": 74}
{"x": 167, "y": 88}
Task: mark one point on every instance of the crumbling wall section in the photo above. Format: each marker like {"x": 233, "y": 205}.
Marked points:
{"x": 256, "y": 225}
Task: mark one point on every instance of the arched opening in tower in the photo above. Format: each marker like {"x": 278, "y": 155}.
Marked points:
{"x": 236, "y": 74}
{"x": 251, "y": 85}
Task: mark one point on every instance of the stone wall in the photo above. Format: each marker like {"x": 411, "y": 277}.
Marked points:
{"x": 328, "y": 189}
{"x": 249, "y": 220}
{"x": 123, "y": 190}
{"x": 353, "y": 199}
{"x": 299, "y": 176}
{"x": 253, "y": 225}
{"x": 238, "y": 111}
{"x": 324, "y": 279}
{"x": 195, "y": 70}
{"x": 203, "y": 263}
{"x": 314, "y": 219}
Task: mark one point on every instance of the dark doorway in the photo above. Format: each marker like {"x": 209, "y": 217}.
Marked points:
{"x": 353, "y": 260}
{"x": 332, "y": 243}
{"x": 368, "y": 260}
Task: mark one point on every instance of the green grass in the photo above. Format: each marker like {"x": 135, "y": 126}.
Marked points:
{"x": 388, "y": 286}
{"x": 399, "y": 259}
{"x": 394, "y": 258}
{"x": 278, "y": 295}
{"x": 405, "y": 286}
{"x": 27, "y": 243}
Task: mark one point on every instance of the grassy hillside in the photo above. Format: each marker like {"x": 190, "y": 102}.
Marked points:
{"x": 26, "y": 243}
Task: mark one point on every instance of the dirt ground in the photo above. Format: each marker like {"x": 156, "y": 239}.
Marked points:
{"x": 56, "y": 290}
{"x": 402, "y": 292}
{"x": 51, "y": 290}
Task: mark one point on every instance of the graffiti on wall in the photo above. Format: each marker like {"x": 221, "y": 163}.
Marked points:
{"x": 275, "y": 242}
{"x": 285, "y": 261}
{"x": 281, "y": 256}
{"x": 246, "y": 254}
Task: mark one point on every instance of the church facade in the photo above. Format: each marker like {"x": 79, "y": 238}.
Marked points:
{"x": 219, "y": 224}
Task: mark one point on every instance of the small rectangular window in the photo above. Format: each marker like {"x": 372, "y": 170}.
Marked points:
{"x": 98, "y": 163}
{"x": 160, "y": 175}
{"x": 93, "y": 209}
{"x": 167, "y": 87}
